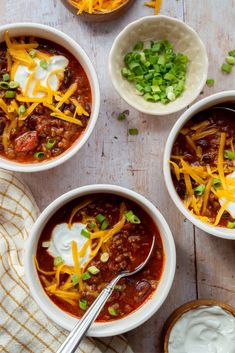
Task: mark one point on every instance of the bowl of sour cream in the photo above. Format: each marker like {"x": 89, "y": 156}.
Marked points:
{"x": 201, "y": 326}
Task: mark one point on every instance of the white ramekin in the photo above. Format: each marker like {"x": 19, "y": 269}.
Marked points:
{"x": 52, "y": 34}
{"x": 218, "y": 98}
{"x": 136, "y": 318}
{"x": 184, "y": 40}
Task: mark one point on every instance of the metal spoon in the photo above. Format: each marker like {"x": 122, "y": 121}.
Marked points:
{"x": 224, "y": 108}
{"x": 72, "y": 341}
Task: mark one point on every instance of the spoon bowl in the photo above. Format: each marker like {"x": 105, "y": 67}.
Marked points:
{"x": 73, "y": 340}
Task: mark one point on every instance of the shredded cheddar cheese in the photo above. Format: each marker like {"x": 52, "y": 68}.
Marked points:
{"x": 156, "y": 4}
{"x": 92, "y": 6}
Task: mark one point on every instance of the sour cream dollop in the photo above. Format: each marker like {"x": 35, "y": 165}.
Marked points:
{"x": 231, "y": 205}
{"x": 61, "y": 238}
{"x": 207, "y": 329}
{"x": 43, "y": 75}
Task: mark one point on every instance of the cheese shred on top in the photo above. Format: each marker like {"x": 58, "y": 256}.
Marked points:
{"x": 218, "y": 179}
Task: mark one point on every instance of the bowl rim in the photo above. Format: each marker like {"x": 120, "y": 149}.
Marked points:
{"x": 202, "y": 104}
{"x": 186, "y": 307}
{"x": 130, "y": 321}
{"x": 136, "y": 23}
{"x": 94, "y": 84}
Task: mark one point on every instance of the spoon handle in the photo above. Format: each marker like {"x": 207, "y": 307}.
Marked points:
{"x": 72, "y": 341}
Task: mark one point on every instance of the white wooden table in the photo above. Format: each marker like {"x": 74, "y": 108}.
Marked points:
{"x": 205, "y": 265}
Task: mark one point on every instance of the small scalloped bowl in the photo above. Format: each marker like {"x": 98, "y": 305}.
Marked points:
{"x": 183, "y": 38}
{"x": 205, "y": 103}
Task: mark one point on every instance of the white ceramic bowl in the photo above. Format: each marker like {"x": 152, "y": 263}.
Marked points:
{"x": 218, "y": 98}
{"x": 52, "y": 34}
{"x": 137, "y": 317}
{"x": 184, "y": 39}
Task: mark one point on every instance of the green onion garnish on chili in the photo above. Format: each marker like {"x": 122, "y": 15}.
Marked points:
{"x": 199, "y": 190}
{"x": 132, "y": 218}
{"x": 75, "y": 279}
{"x": 93, "y": 270}
{"x": 112, "y": 311}
{"x": 216, "y": 182}
{"x": 4, "y": 85}
{"x": 50, "y": 143}
{"x": 231, "y": 224}
{"x": 39, "y": 155}
{"x": 10, "y": 94}
{"x": 228, "y": 155}
{"x": 83, "y": 304}
{"x": 21, "y": 109}
{"x": 86, "y": 276}
{"x": 33, "y": 53}
{"x": 100, "y": 218}
{"x": 44, "y": 64}
{"x": 6, "y": 77}
{"x": 58, "y": 261}
{"x": 104, "y": 224}
{"x": 13, "y": 84}
{"x": 85, "y": 233}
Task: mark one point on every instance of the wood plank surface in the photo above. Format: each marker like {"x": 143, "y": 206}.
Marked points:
{"x": 204, "y": 264}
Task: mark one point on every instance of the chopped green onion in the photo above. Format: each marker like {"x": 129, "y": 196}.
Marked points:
{"x": 75, "y": 279}
{"x": 119, "y": 288}
{"x": 91, "y": 225}
{"x": 139, "y": 46}
{"x": 133, "y": 131}
{"x": 228, "y": 155}
{"x": 44, "y": 64}
{"x": 39, "y": 155}
{"x": 216, "y": 183}
{"x": 83, "y": 304}
{"x": 6, "y": 77}
{"x": 100, "y": 218}
{"x": 50, "y": 143}
{"x": 230, "y": 60}
{"x": 104, "y": 257}
{"x": 4, "y": 85}
{"x": 121, "y": 116}
{"x": 232, "y": 53}
{"x": 210, "y": 82}
{"x": 231, "y": 224}
{"x": 58, "y": 261}
{"x": 227, "y": 68}
{"x": 21, "y": 109}
{"x": 132, "y": 218}
{"x": 112, "y": 311}
{"x": 13, "y": 84}
{"x": 85, "y": 233}
{"x": 104, "y": 224}
{"x": 85, "y": 276}
{"x": 10, "y": 94}
{"x": 157, "y": 66}
{"x": 199, "y": 190}
{"x": 93, "y": 270}
{"x": 33, "y": 53}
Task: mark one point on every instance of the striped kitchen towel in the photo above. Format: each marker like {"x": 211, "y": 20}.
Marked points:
{"x": 23, "y": 326}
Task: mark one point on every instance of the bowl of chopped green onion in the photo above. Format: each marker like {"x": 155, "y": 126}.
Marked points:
{"x": 158, "y": 65}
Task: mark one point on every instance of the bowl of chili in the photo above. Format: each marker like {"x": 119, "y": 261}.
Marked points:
{"x": 158, "y": 65}
{"x": 49, "y": 97}
{"x": 199, "y": 164}
{"x": 112, "y": 228}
